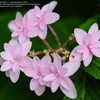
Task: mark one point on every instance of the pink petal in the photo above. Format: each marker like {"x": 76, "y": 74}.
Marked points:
{"x": 87, "y": 57}
{"x": 14, "y": 34}
{"x": 69, "y": 90}
{"x": 51, "y": 18}
{"x": 19, "y": 16}
{"x": 42, "y": 26}
{"x": 71, "y": 67}
{"x": 22, "y": 39}
{"x": 31, "y": 16}
{"x": 33, "y": 84}
{"x": 15, "y": 67}
{"x": 26, "y": 46}
{"x": 54, "y": 86}
{"x": 40, "y": 91}
{"x": 95, "y": 48}
{"x": 96, "y": 36}
{"x": 28, "y": 68}
{"x": 43, "y": 33}
{"x": 13, "y": 42}
{"x": 80, "y": 35}
{"x": 46, "y": 60}
{"x": 49, "y": 78}
{"x": 35, "y": 11}
{"x": 44, "y": 65}
{"x": 6, "y": 66}
{"x": 49, "y": 7}
{"x": 14, "y": 48}
{"x": 40, "y": 33}
{"x": 57, "y": 60}
{"x": 6, "y": 56}
{"x": 65, "y": 83}
{"x": 75, "y": 55}
{"x": 96, "y": 51}
{"x": 93, "y": 29}
{"x": 12, "y": 26}
{"x": 14, "y": 76}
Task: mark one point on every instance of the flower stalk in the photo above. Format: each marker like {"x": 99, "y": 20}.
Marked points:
{"x": 55, "y": 35}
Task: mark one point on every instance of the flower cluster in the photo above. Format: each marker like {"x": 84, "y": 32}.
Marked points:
{"x": 89, "y": 44}
{"x": 51, "y": 70}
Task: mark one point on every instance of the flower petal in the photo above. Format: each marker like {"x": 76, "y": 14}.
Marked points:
{"x": 46, "y": 59}
{"x": 51, "y": 18}
{"x": 6, "y": 66}
{"x": 40, "y": 90}
{"x": 12, "y": 26}
{"x": 19, "y": 16}
{"x": 26, "y": 46}
{"x": 33, "y": 84}
{"x": 49, "y": 7}
{"x": 87, "y": 57}
{"x": 6, "y": 56}
{"x": 71, "y": 92}
{"x": 71, "y": 67}
{"x": 22, "y": 39}
{"x": 14, "y": 76}
{"x": 96, "y": 51}
{"x": 93, "y": 29}
{"x": 43, "y": 33}
{"x": 80, "y": 35}
{"x": 75, "y": 55}
{"x": 57, "y": 60}
{"x": 14, "y": 34}
{"x": 54, "y": 86}
{"x": 49, "y": 78}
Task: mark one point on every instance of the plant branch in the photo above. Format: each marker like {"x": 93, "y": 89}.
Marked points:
{"x": 70, "y": 39}
{"x": 55, "y": 35}
{"x": 47, "y": 44}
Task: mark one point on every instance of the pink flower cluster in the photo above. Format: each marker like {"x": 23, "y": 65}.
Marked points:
{"x": 34, "y": 22}
{"x": 44, "y": 72}
{"x": 49, "y": 71}
{"x": 89, "y": 44}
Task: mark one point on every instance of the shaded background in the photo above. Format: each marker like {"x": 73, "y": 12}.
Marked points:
{"x": 73, "y": 13}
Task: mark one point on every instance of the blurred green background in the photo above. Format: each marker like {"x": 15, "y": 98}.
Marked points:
{"x": 73, "y": 14}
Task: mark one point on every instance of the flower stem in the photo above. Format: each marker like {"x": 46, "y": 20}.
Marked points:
{"x": 70, "y": 39}
{"x": 47, "y": 44}
{"x": 55, "y": 35}
{"x": 83, "y": 88}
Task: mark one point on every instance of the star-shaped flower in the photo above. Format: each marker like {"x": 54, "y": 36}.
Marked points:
{"x": 89, "y": 44}
{"x": 40, "y": 18}
{"x": 15, "y": 58}
{"x": 60, "y": 76}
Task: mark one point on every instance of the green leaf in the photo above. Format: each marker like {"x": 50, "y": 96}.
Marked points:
{"x": 94, "y": 68}
{"x": 87, "y": 88}
{"x": 86, "y": 25}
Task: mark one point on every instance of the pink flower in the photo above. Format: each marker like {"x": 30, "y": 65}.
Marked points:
{"x": 59, "y": 76}
{"x": 15, "y": 56}
{"x": 89, "y": 44}
{"x": 40, "y": 18}
{"x": 20, "y": 28}
{"x": 39, "y": 70}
